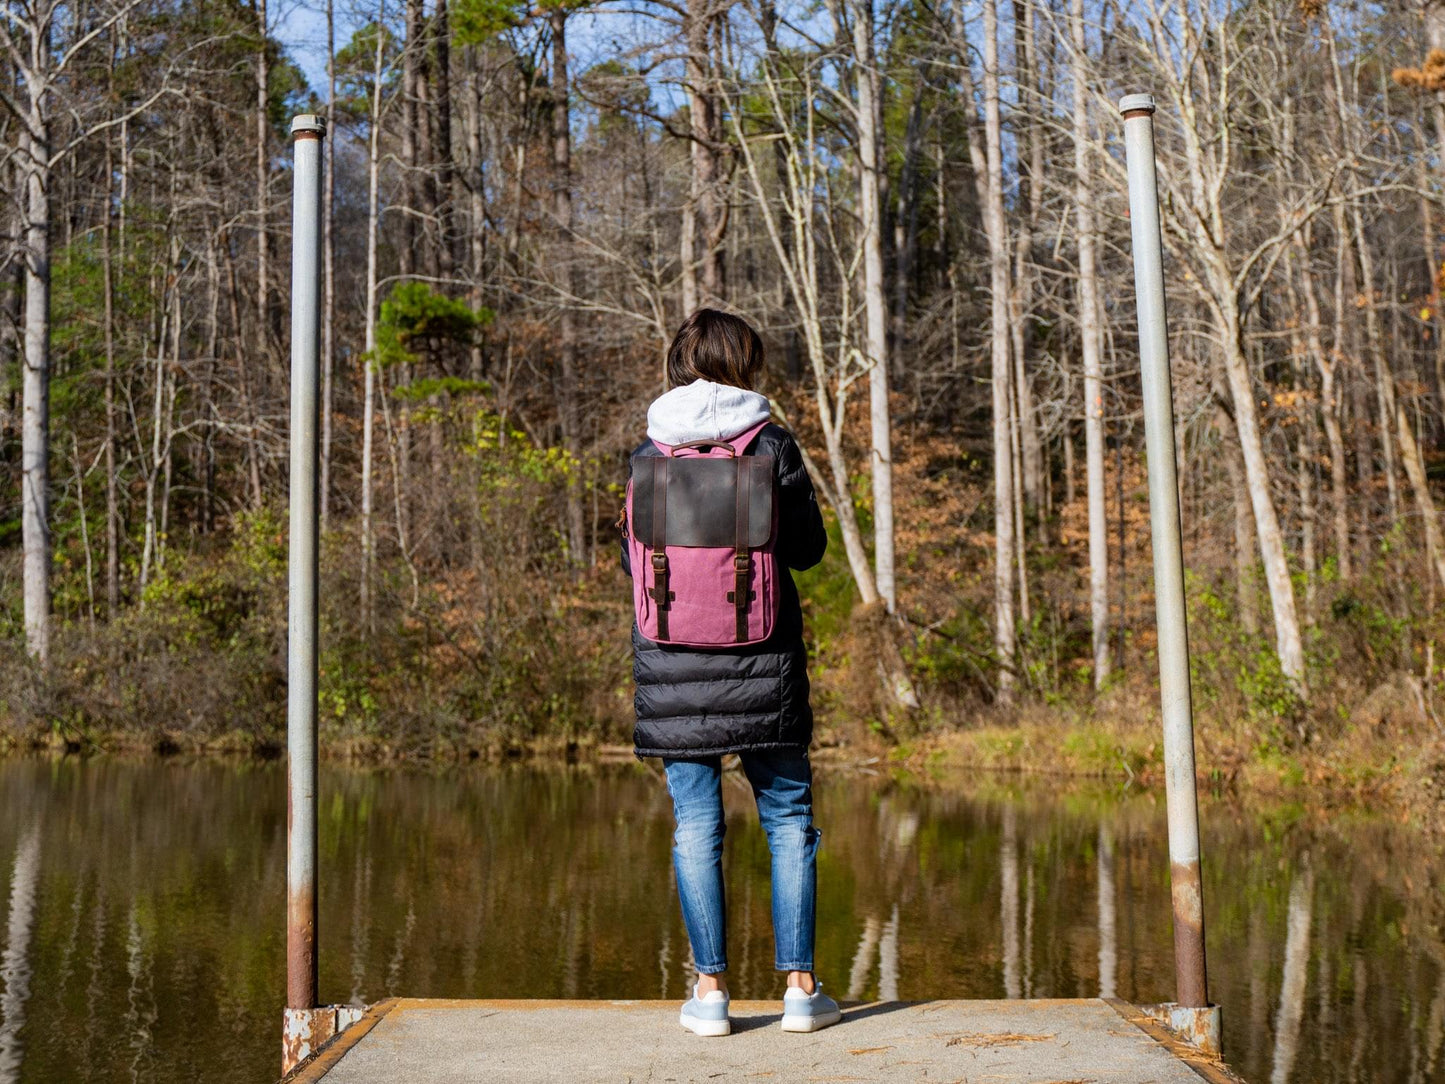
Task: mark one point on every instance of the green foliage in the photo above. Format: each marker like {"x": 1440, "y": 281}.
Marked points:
{"x": 1046, "y": 644}
{"x": 415, "y": 319}
{"x": 1232, "y": 668}
{"x": 259, "y": 542}
{"x": 427, "y": 387}
{"x": 827, "y": 591}
{"x": 356, "y": 69}
{"x": 1271, "y": 695}
{"x": 957, "y": 658}
{"x": 475, "y": 22}
{"x": 508, "y": 462}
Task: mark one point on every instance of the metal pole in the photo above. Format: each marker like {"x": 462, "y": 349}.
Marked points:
{"x": 301, "y": 986}
{"x": 1186, "y": 891}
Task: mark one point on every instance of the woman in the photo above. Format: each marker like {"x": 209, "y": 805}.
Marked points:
{"x": 696, "y": 705}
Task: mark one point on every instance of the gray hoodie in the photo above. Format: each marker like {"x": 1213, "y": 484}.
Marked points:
{"x": 704, "y": 410}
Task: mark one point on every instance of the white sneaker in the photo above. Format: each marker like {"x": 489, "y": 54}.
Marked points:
{"x": 706, "y": 1015}
{"x": 809, "y": 1012}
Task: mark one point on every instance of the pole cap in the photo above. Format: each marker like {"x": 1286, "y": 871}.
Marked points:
{"x": 1136, "y": 103}
{"x": 308, "y": 123}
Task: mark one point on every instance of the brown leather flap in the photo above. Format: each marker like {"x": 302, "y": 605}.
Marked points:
{"x": 702, "y": 500}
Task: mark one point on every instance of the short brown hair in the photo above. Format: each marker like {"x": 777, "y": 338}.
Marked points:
{"x": 716, "y": 346}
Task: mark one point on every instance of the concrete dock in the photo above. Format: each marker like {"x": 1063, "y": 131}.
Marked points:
{"x": 1096, "y": 1041}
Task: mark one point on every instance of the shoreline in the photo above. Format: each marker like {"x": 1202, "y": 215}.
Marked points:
{"x": 1405, "y": 783}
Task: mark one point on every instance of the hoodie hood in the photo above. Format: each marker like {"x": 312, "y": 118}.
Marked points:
{"x": 704, "y": 410}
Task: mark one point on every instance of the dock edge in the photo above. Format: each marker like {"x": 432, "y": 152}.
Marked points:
{"x": 313, "y": 1040}
{"x": 1207, "y": 1064}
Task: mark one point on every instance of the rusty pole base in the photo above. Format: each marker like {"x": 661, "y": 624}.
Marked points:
{"x": 306, "y": 1031}
{"x": 1200, "y": 1028}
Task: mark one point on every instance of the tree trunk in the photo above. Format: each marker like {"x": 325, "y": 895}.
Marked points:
{"x": 1093, "y": 373}
{"x": 1305, "y": 482}
{"x": 1329, "y": 409}
{"x": 169, "y": 374}
{"x": 328, "y": 258}
{"x": 445, "y": 164}
{"x": 906, "y": 229}
{"x": 263, "y": 172}
{"x": 1424, "y": 503}
{"x": 410, "y": 122}
{"x": 476, "y": 190}
{"x": 84, "y": 530}
{"x": 1066, "y": 436}
{"x": 875, "y": 306}
{"x": 1020, "y": 541}
{"x": 207, "y": 435}
{"x": 368, "y": 399}
{"x": 1384, "y": 382}
{"x": 243, "y": 372}
{"x": 153, "y": 459}
{"x": 426, "y": 179}
{"x": 1004, "y": 632}
{"x": 35, "y": 384}
{"x": 1437, "y": 321}
{"x": 112, "y": 509}
{"x": 704, "y": 217}
{"x": 1288, "y": 644}
{"x": 1021, "y": 287}
{"x": 568, "y": 391}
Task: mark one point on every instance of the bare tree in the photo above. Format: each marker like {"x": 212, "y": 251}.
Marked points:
{"x": 1089, "y": 348}
{"x": 1199, "y": 84}
{"x": 328, "y": 259}
{"x": 870, "y": 145}
{"x": 41, "y": 51}
{"x": 705, "y": 213}
{"x": 997, "y": 233}
{"x": 369, "y": 358}
{"x": 567, "y": 389}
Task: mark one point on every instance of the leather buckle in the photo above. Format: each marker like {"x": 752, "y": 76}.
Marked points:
{"x": 741, "y": 562}
{"x": 659, "y": 562}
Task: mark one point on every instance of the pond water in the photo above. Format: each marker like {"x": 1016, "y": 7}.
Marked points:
{"x": 141, "y": 908}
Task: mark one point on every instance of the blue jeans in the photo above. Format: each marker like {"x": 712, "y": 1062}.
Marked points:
{"x": 782, "y": 784}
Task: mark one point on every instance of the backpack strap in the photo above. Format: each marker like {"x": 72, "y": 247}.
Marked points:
{"x": 659, "y": 592}
{"x": 741, "y": 562}
{"x": 740, "y": 442}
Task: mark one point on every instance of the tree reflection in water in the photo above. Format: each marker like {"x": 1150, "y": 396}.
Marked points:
{"x": 15, "y": 965}
{"x": 145, "y": 938}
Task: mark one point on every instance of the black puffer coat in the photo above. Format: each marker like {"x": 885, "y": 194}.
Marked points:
{"x": 695, "y": 702}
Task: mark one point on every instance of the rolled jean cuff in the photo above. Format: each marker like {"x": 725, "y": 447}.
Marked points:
{"x": 712, "y": 969}
{"x": 802, "y": 965}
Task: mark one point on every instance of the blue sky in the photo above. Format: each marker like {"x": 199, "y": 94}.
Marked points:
{"x": 300, "y": 26}
{"x": 302, "y": 30}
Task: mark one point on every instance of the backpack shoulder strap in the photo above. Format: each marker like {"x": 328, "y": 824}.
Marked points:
{"x": 661, "y": 595}
{"x": 740, "y": 442}
{"x": 742, "y": 562}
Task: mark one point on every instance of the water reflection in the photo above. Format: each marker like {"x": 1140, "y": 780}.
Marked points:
{"x": 1108, "y": 930}
{"x": 15, "y": 966}
{"x": 1296, "y": 966}
{"x": 1008, "y": 859}
{"x": 1434, "y": 1032}
{"x": 863, "y": 958}
{"x": 143, "y": 936}
{"x": 140, "y": 997}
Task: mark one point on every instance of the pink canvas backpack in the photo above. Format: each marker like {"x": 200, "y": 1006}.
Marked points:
{"x": 700, "y": 536}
